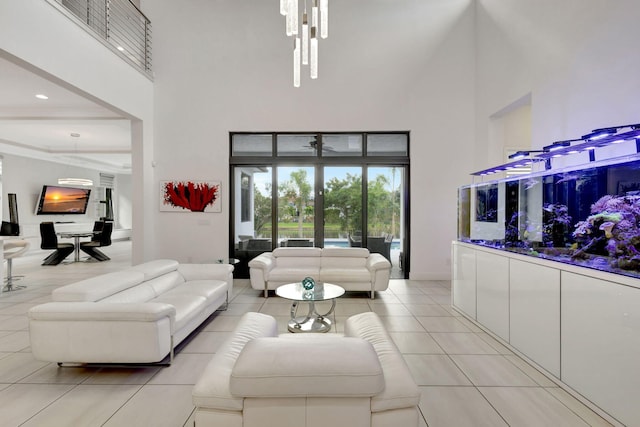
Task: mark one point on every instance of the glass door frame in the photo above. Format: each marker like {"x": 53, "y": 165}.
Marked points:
{"x": 319, "y": 161}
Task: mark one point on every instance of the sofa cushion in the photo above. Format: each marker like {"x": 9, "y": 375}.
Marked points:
{"x": 318, "y": 365}
{"x": 155, "y": 268}
{"x": 343, "y": 275}
{"x": 139, "y": 293}
{"x": 187, "y": 306}
{"x": 212, "y": 389}
{"x": 209, "y": 289}
{"x": 162, "y": 284}
{"x": 400, "y": 390}
{"x": 297, "y": 261}
{"x": 292, "y": 274}
{"x": 99, "y": 287}
{"x": 345, "y": 252}
{"x": 297, "y": 252}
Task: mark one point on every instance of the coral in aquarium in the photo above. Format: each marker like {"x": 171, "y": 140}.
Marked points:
{"x": 190, "y": 196}
{"x": 612, "y": 229}
{"x": 556, "y": 220}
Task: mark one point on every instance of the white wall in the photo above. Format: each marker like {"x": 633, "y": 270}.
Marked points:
{"x": 124, "y": 205}
{"x": 577, "y": 58}
{"x": 387, "y": 65}
{"x": 44, "y": 38}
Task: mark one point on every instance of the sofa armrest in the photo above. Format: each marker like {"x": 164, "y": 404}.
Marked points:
{"x": 137, "y": 312}
{"x": 400, "y": 390}
{"x": 265, "y": 261}
{"x": 205, "y": 271}
{"x": 319, "y": 366}
{"x": 377, "y": 262}
{"x": 87, "y": 332}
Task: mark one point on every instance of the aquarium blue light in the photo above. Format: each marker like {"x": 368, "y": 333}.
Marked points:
{"x": 511, "y": 165}
{"x": 599, "y": 134}
{"x": 592, "y": 144}
{"x": 591, "y": 141}
{"x": 522, "y": 154}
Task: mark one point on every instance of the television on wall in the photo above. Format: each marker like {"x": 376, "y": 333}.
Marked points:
{"x": 56, "y": 200}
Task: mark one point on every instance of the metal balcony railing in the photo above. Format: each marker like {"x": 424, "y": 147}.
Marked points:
{"x": 121, "y": 24}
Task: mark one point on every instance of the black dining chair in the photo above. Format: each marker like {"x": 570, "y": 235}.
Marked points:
{"x": 50, "y": 241}
{"x": 100, "y": 239}
{"x": 97, "y": 227}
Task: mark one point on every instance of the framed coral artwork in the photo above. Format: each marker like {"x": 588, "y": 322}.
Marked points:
{"x": 190, "y": 196}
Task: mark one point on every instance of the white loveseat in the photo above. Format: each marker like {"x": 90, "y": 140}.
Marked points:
{"x": 355, "y": 269}
{"x": 260, "y": 379}
{"x": 137, "y": 315}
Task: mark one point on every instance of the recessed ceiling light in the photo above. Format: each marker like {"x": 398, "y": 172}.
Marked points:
{"x": 42, "y": 96}
{"x": 120, "y": 48}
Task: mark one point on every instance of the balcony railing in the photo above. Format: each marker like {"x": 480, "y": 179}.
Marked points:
{"x": 121, "y": 24}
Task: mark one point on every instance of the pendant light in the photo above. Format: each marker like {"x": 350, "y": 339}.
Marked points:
{"x": 305, "y": 47}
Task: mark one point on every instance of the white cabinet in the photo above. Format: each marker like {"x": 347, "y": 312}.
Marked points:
{"x": 492, "y": 284}
{"x": 580, "y": 325}
{"x": 534, "y": 319}
{"x": 601, "y": 343}
{"x": 463, "y": 292}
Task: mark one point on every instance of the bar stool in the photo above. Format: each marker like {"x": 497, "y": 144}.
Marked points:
{"x": 13, "y": 249}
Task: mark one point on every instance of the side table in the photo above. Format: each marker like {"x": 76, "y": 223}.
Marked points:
{"x": 313, "y": 321}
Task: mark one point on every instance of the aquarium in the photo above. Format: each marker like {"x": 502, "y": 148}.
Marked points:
{"x": 587, "y": 216}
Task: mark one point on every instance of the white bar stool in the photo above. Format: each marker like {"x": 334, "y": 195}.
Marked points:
{"x": 13, "y": 249}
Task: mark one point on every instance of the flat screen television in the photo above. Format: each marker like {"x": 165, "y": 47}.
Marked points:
{"x": 55, "y": 200}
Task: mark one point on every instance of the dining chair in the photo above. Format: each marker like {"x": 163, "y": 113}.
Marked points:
{"x": 100, "y": 239}
{"x": 50, "y": 241}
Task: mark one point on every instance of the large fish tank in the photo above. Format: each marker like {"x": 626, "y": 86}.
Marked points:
{"x": 587, "y": 216}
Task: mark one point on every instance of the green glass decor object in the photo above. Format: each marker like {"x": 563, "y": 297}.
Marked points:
{"x": 308, "y": 283}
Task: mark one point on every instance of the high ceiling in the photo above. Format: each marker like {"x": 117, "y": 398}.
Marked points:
{"x": 43, "y": 129}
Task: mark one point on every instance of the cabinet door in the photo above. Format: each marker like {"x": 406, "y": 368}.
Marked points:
{"x": 463, "y": 295}
{"x": 535, "y": 313}
{"x": 601, "y": 343}
{"x": 492, "y": 273}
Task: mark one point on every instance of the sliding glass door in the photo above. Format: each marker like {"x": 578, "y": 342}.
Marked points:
{"x": 386, "y": 213}
{"x": 296, "y": 202}
{"x": 342, "y": 210}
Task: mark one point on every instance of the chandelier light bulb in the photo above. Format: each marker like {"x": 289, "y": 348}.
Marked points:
{"x": 296, "y": 62}
{"x": 314, "y": 14}
{"x": 288, "y": 28}
{"x": 305, "y": 39}
{"x": 294, "y": 16}
{"x": 324, "y": 18}
{"x": 314, "y": 54}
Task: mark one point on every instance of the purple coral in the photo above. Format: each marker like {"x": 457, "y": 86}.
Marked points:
{"x": 613, "y": 228}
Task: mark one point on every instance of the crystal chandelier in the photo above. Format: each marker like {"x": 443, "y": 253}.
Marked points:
{"x": 305, "y": 40}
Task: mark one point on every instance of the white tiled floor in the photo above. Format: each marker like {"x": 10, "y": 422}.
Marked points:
{"x": 467, "y": 378}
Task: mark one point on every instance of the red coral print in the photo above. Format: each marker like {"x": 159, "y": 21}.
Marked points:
{"x": 194, "y": 197}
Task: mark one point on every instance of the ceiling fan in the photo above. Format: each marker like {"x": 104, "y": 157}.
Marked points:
{"x": 313, "y": 145}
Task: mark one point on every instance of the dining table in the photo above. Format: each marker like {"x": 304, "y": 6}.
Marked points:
{"x": 76, "y": 236}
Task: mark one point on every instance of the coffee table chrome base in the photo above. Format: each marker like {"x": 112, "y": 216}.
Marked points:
{"x": 313, "y": 321}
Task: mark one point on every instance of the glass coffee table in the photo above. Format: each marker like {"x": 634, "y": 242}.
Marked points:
{"x": 313, "y": 321}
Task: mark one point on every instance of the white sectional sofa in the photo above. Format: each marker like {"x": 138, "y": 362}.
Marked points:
{"x": 137, "y": 315}
{"x": 260, "y": 379}
{"x": 355, "y": 269}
